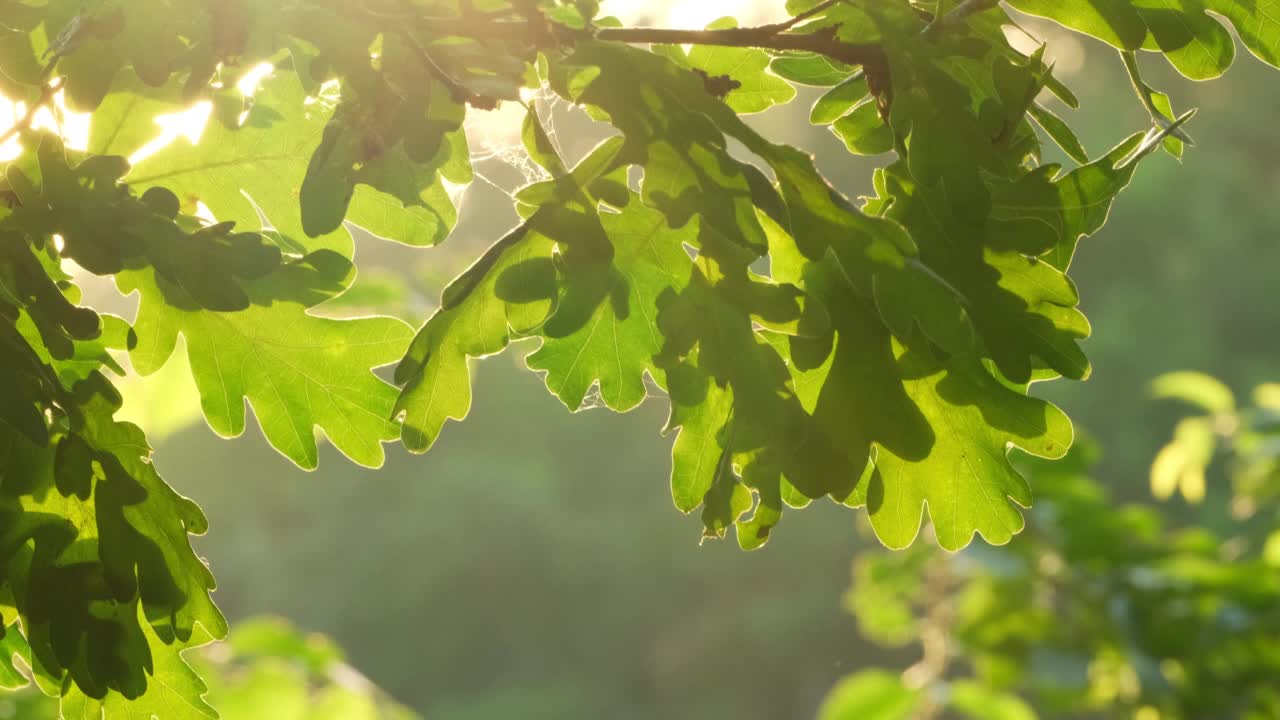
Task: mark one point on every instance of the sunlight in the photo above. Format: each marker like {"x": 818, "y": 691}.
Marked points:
{"x": 61, "y": 120}
{"x": 71, "y": 125}
{"x": 1064, "y": 51}
{"x": 204, "y": 213}
{"x": 495, "y": 133}
{"x": 491, "y": 132}
{"x": 9, "y": 114}
{"x": 187, "y": 124}
{"x": 249, "y": 82}
{"x": 692, "y": 15}
{"x": 328, "y": 95}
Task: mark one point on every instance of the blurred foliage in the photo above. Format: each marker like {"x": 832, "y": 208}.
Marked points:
{"x": 265, "y": 670}
{"x": 1100, "y": 609}
{"x": 1246, "y": 439}
{"x": 536, "y": 575}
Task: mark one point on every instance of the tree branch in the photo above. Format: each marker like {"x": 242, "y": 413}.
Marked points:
{"x": 823, "y": 42}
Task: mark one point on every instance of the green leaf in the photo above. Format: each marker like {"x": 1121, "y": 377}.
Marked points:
{"x": 156, "y": 515}
{"x": 863, "y": 131}
{"x": 269, "y": 670}
{"x": 810, "y": 69}
{"x": 688, "y": 168}
{"x": 941, "y": 430}
{"x": 383, "y": 172}
{"x": 250, "y": 175}
{"x": 753, "y": 87}
{"x": 974, "y": 700}
{"x": 99, "y": 563}
{"x": 838, "y": 101}
{"x": 1116, "y": 22}
{"x": 870, "y": 695}
{"x": 1024, "y": 309}
{"x": 1203, "y": 391}
{"x": 1061, "y": 133}
{"x": 174, "y": 690}
{"x": 616, "y": 344}
{"x": 1181, "y": 465}
{"x": 1195, "y": 42}
{"x": 228, "y": 170}
{"x": 942, "y": 433}
{"x": 1159, "y": 105}
{"x": 886, "y": 588}
{"x": 435, "y": 372}
{"x": 510, "y": 290}
{"x": 297, "y": 370}
{"x": 1085, "y": 196}
{"x": 13, "y": 646}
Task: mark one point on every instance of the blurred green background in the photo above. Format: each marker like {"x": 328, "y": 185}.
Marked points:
{"x": 532, "y": 565}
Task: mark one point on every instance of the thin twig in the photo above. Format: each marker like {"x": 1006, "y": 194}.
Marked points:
{"x": 460, "y": 92}
{"x": 767, "y": 37}
{"x": 823, "y": 42}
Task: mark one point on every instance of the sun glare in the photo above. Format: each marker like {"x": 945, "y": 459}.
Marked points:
{"x": 687, "y": 14}
{"x": 9, "y": 114}
{"x": 188, "y": 124}
{"x": 71, "y": 125}
{"x": 248, "y": 84}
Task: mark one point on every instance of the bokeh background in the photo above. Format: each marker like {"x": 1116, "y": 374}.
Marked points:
{"x": 532, "y": 565}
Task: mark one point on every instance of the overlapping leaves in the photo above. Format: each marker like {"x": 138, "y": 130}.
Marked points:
{"x": 950, "y": 288}
{"x": 1195, "y": 41}
{"x": 102, "y": 590}
{"x": 876, "y": 354}
{"x": 1103, "y": 570}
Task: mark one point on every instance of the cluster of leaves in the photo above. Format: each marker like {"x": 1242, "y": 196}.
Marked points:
{"x": 878, "y": 354}
{"x": 1248, "y": 437}
{"x": 268, "y": 670}
{"x": 1103, "y": 610}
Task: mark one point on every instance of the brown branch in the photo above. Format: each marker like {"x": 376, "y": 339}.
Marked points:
{"x": 824, "y": 42}
{"x": 777, "y": 37}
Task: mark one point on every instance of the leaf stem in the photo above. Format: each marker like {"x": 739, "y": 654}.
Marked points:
{"x": 1144, "y": 92}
